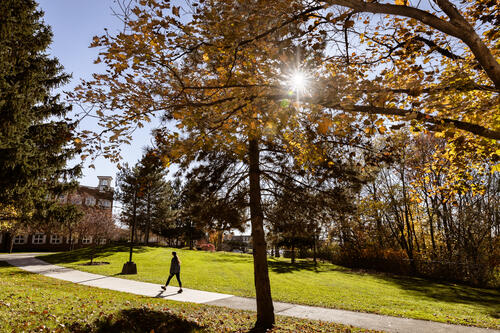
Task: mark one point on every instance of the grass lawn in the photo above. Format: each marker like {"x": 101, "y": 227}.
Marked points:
{"x": 326, "y": 285}
{"x": 35, "y": 303}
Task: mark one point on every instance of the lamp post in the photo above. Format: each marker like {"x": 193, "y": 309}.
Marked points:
{"x": 130, "y": 267}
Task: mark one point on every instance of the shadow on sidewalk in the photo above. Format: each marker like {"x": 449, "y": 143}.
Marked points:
{"x": 4, "y": 264}
{"x": 160, "y": 295}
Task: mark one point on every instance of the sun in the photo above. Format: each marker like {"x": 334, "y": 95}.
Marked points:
{"x": 298, "y": 82}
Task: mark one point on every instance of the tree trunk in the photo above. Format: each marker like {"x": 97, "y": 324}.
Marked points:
{"x": 409, "y": 235}
{"x": 92, "y": 254}
{"x": 431, "y": 224}
{"x": 190, "y": 232}
{"x": 314, "y": 250}
{"x": 11, "y": 242}
{"x": 293, "y": 253}
{"x": 219, "y": 240}
{"x": 133, "y": 227}
{"x": 265, "y": 308}
{"x": 148, "y": 220}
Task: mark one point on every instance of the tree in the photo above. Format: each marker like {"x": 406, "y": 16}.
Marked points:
{"x": 98, "y": 224}
{"x": 146, "y": 196}
{"x": 155, "y": 204}
{"x": 222, "y": 76}
{"x": 35, "y": 136}
{"x": 422, "y": 216}
{"x": 128, "y": 191}
{"x": 214, "y": 194}
{"x": 58, "y": 218}
{"x": 289, "y": 220}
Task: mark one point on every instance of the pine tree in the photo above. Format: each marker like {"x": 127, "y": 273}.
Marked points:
{"x": 157, "y": 195}
{"x": 128, "y": 192}
{"x": 145, "y": 194}
{"x": 34, "y": 134}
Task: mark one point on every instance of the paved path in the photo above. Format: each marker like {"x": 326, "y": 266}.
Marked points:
{"x": 28, "y": 262}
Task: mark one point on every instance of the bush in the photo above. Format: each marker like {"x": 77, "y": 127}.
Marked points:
{"x": 207, "y": 247}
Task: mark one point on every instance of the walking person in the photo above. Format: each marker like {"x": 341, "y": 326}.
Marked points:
{"x": 175, "y": 269}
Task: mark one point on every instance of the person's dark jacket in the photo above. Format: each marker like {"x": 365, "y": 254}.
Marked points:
{"x": 175, "y": 266}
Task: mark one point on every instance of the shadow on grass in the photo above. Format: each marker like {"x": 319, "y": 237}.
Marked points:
{"x": 88, "y": 252}
{"x": 279, "y": 265}
{"x": 237, "y": 259}
{"x": 488, "y": 299}
{"x": 287, "y": 267}
{"x": 141, "y": 320}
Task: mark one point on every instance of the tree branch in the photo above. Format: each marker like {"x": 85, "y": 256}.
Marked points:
{"x": 469, "y": 127}
{"x": 458, "y": 27}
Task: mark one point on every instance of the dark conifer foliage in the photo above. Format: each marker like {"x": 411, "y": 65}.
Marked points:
{"x": 145, "y": 194}
{"x": 35, "y": 136}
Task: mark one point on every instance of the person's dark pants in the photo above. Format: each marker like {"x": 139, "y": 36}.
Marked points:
{"x": 178, "y": 276}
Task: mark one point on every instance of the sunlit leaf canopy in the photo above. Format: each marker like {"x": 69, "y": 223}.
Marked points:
{"x": 216, "y": 70}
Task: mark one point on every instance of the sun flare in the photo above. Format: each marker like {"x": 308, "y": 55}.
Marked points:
{"x": 298, "y": 81}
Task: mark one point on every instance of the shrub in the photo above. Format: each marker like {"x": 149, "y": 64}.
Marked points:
{"x": 207, "y": 247}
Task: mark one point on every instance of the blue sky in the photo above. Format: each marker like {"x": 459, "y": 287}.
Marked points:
{"x": 74, "y": 23}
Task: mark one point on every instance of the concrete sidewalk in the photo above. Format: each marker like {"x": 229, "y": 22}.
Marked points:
{"x": 28, "y": 262}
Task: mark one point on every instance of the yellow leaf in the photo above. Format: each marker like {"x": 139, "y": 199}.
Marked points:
{"x": 495, "y": 168}
{"x": 369, "y": 130}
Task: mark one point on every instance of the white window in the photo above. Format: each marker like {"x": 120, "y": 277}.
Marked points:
{"x": 102, "y": 241}
{"x": 20, "y": 239}
{"x": 76, "y": 199}
{"x": 105, "y": 203}
{"x": 74, "y": 240}
{"x": 55, "y": 239}
{"x": 87, "y": 240}
{"x": 38, "y": 239}
{"x": 90, "y": 201}
{"x": 103, "y": 185}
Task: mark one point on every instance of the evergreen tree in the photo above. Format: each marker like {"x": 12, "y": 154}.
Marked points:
{"x": 156, "y": 196}
{"x": 214, "y": 195}
{"x": 146, "y": 195}
{"x": 34, "y": 134}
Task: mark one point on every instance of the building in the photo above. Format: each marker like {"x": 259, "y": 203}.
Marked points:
{"x": 93, "y": 200}
{"x": 238, "y": 243}
{"x": 86, "y": 196}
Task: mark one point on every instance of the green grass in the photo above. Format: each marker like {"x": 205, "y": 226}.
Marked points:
{"x": 326, "y": 285}
{"x": 35, "y": 303}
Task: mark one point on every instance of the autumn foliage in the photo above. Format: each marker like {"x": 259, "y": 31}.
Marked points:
{"x": 219, "y": 75}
